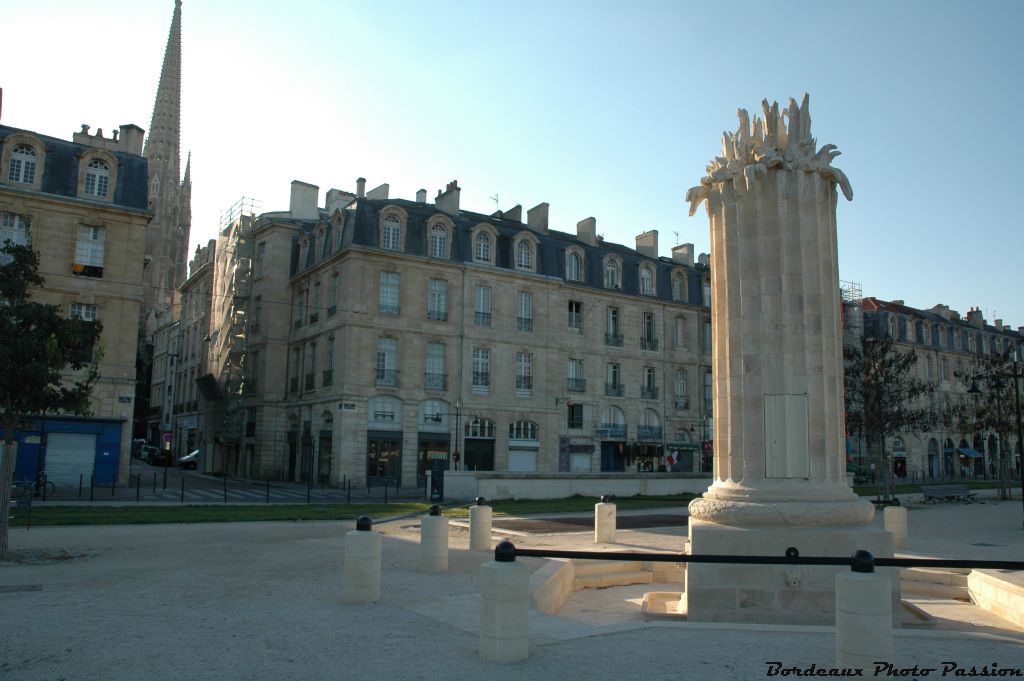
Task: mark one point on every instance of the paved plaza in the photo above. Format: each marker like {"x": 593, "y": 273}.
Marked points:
{"x": 262, "y": 601}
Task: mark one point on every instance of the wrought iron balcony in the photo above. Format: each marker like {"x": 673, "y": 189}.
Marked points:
{"x": 649, "y": 392}
{"x": 611, "y": 431}
{"x": 648, "y": 432}
{"x": 437, "y": 315}
{"x": 524, "y": 324}
{"x": 576, "y": 385}
{"x": 524, "y": 382}
{"x": 614, "y": 339}
{"x": 481, "y": 379}
{"x": 482, "y": 318}
{"x": 328, "y": 377}
{"x": 389, "y": 308}
{"x": 613, "y": 389}
{"x": 387, "y": 378}
{"x": 435, "y": 381}
{"x": 648, "y": 343}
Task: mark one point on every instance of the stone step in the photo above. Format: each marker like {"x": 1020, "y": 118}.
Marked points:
{"x": 951, "y": 577}
{"x": 608, "y": 579}
{"x": 588, "y": 568}
{"x": 935, "y": 590}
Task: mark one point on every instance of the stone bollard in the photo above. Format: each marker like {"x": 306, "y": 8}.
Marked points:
{"x": 863, "y": 615}
{"x": 895, "y": 518}
{"x": 504, "y": 607}
{"x": 480, "y": 526}
{"x": 604, "y": 522}
{"x": 361, "y": 580}
{"x": 434, "y": 541}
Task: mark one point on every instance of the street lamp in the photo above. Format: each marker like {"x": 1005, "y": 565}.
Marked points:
{"x": 1000, "y": 373}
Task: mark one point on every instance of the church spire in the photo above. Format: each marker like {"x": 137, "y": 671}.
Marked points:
{"x": 162, "y": 145}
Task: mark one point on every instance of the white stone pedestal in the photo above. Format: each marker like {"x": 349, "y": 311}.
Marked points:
{"x": 480, "y": 528}
{"x": 504, "y": 611}
{"x": 775, "y": 594}
{"x": 863, "y": 620}
{"x": 361, "y": 576}
{"x": 895, "y": 518}
{"x": 604, "y": 523}
{"x": 434, "y": 543}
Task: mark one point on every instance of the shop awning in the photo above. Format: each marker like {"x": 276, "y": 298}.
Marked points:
{"x": 967, "y": 451}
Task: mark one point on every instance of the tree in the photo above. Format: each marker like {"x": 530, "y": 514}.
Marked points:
{"x": 990, "y": 409}
{"x": 884, "y": 397}
{"x": 37, "y": 343}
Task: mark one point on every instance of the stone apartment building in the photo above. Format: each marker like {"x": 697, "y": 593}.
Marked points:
{"x": 946, "y": 345}
{"x": 83, "y": 206}
{"x": 372, "y": 337}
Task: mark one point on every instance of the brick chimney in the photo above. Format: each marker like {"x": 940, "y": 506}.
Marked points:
{"x": 448, "y": 200}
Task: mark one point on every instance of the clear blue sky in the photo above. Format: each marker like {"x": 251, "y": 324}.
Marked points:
{"x": 603, "y": 109}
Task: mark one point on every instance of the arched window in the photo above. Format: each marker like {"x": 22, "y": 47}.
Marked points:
{"x": 479, "y": 427}
{"x": 482, "y": 251}
{"x": 23, "y": 165}
{"x": 524, "y": 255}
{"x": 522, "y": 430}
{"x": 385, "y": 412}
{"x": 613, "y": 416}
{"x": 97, "y": 177}
{"x": 438, "y": 241}
{"x": 678, "y": 287}
{"x": 573, "y": 266}
{"x": 650, "y": 418}
{"x": 646, "y": 281}
{"x": 392, "y": 233}
{"x": 434, "y": 415}
{"x": 611, "y": 273}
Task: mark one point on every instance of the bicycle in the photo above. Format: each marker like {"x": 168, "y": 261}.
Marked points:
{"x": 43, "y": 488}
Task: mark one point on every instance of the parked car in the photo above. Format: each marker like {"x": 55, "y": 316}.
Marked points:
{"x": 137, "y": 446}
{"x": 146, "y": 452}
{"x": 190, "y": 460}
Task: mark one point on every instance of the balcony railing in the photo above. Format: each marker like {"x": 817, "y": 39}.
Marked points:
{"x": 614, "y": 339}
{"x": 481, "y": 379}
{"x": 648, "y": 432}
{"x": 610, "y": 431}
{"x": 387, "y": 377}
{"x": 648, "y": 343}
{"x": 524, "y": 324}
{"x": 309, "y": 381}
{"x": 389, "y": 308}
{"x": 576, "y": 385}
{"x": 524, "y": 382}
{"x": 437, "y": 315}
{"x": 435, "y": 381}
{"x": 482, "y": 318}
{"x": 682, "y": 403}
{"x": 649, "y": 392}
{"x": 613, "y": 389}
{"x": 328, "y": 377}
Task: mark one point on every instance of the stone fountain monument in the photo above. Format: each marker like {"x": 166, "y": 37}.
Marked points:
{"x": 780, "y": 470}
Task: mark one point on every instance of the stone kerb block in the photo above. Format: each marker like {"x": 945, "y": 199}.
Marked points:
{"x": 504, "y": 611}
{"x": 480, "y": 518}
{"x": 863, "y": 619}
{"x": 895, "y": 518}
{"x": 434, "y": 543}
{"x": 361, "y": 576}
{"x": 604, "y": 523}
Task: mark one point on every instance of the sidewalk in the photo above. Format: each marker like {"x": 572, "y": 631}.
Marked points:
{"x": 262, "y": 601}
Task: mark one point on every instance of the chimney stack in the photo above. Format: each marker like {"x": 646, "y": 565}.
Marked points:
{"x": 448, "y": 200}
{"x": 647, "y": 243}
{"x": 975, "y": 318}
{"x": 515, "y": 213}
{"x": 421, "y": 196}
{"x": 379, "y": 193}
{"x": 337, "y": 199}
{"x": 361, "y": 187}
{"x": 537, "y": 218}
{"x": 586, "y": 231}
{"x": 302, "y": 205}
{"x": 683, "y": 254}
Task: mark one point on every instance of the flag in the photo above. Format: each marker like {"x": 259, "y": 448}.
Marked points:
{"x": 671, "y": 459}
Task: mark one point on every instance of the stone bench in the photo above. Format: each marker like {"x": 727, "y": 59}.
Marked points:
{"x": 948, "y": 493}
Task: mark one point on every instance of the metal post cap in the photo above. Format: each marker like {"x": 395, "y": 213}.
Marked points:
{"x": 364, "y": 524}
{"x": 862, "y": 561}
{"x": 606, "y": 498}
{"x": 435, "y": 510}
{"x": 480, "y": 501}
{"x": 792, "y": 552}
{"x": 505, "y": 552}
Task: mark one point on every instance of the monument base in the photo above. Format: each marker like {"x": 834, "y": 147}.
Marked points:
{"x": 775, "y": 594}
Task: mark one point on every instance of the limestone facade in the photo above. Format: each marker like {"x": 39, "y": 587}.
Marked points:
{"x": 82, "y": 206}
{"x": 384, "y": 334}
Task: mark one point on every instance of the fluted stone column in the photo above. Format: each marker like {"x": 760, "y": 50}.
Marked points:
{"x": 777, "y": 363}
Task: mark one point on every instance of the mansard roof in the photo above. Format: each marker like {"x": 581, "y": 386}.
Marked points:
{"x": 61, "y": 166}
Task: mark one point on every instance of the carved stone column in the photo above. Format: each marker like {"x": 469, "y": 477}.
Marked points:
{"x": 780, "y": 469}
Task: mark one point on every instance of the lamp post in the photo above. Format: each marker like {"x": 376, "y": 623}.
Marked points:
{"x": 1000, "y": 373}
{"x": 458, "y": 432}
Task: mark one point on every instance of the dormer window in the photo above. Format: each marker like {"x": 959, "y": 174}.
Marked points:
{"x": 678, "y": 286}
{"x": 392, "y": 233}
{"x": 97, "y": 177}
{"x": 646, "y": 281}
{"x": 611, "y": 274}
{"x": 438, "y": 241}
{"x": 573, "y": 266}
{"x": 524, "y": 255}
{"x": 22, "y": 167}
{"x": 482, "y": 247}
